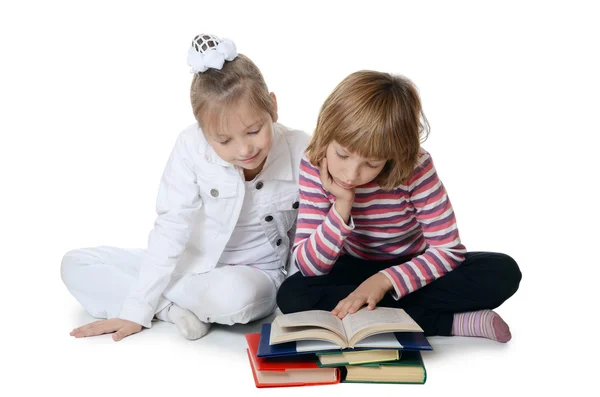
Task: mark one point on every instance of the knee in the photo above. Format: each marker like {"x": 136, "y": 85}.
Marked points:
{"x": 289, "y": 296}
{"x": 226, "y": 300}
{"x": 70, "y": 262}
{"x": 511, "y": 270}
{"x": 247, "y": 296}
{"x": 508, "y": 273}
{"x": 243, "y": 308}
{"x": 240, "y": 298}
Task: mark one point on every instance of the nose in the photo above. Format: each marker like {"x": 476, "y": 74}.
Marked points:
{"x": 245, "y": 151}
{"x": 351, "y": 175}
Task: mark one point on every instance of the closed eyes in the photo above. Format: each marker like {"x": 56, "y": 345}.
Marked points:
{"x": 344, "y": 156}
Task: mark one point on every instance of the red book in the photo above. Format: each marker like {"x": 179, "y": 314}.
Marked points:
{"x": 289, "y": 371}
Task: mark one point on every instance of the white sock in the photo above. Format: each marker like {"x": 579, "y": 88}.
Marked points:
{"x": 163, "y": 315}
{"x": 187, "y": 323}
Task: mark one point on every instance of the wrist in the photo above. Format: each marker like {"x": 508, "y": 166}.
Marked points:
{"x": 386, "y": 282}
{"x": 344, "y": 208}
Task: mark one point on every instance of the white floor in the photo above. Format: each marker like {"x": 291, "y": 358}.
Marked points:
{"x": 159, "y": 361}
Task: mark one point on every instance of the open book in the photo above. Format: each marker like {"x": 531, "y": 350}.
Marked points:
{"x": 346, "y": 333}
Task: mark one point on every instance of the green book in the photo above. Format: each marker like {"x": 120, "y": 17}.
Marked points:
{"x": 408, "y": 369}
{"x": 339, "y": 358}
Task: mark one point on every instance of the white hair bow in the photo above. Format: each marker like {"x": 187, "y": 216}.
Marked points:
{"x": 209, "y": 51}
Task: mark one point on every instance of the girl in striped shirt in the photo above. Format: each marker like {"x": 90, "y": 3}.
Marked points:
{"x": 375, "y": 224}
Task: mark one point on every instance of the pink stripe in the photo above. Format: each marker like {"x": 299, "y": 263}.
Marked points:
{"x": 315, "y": 237}
{"x": 442, "y": 226}
{"x": 302, "y": 260}
{"x": 424, "y": 270}
{"x": 365, "y": 198}
{"x": 425, "y": 168}
{"x": 334, "y": 234}
{"x": 388, "y": 230}
{"x": 426, "y": 186}
{"x": 446, "y": 241}
{"x": 366, "y": 212}
{"x": 453, "y": 262}
{"x": 313, "y": 211}
{"x": 398, "y": 280}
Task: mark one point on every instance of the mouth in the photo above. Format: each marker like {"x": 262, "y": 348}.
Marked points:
{"x": 344, "y": 185}
{"x": 250, "y": 159}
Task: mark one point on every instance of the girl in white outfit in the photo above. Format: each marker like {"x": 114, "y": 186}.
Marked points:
{"x": 226, "y": 213}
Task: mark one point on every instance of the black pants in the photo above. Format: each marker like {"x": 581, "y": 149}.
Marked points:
{"x": 484, "y": 280}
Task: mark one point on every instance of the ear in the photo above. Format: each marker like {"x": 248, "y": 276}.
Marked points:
{"x": 274, "y": 100}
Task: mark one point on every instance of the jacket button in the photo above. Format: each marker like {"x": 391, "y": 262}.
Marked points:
{"x": 278, "y": 242}
{"x": 259, "y": 185}
{"x": 296, "y": 205}
{"x": 214, "y": 192}
{"x": 269, "y": 218}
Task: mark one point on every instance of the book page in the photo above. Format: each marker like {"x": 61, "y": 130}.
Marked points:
{"x": 381, "y": 318}
{"x": 298, "y": 334}
{"x": 387, "y": 341}
{"x": 315, "y": 318}
{"x": 315, "y": 345}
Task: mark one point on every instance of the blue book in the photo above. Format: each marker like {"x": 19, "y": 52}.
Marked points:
{"x": 408, "y": 341}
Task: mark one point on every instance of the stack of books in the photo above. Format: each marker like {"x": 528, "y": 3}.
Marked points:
{"x": 316, "y": 348}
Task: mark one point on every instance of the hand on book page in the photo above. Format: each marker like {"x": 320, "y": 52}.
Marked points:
{"x": 322, "y": 325}
{"x": 370, "y": 292}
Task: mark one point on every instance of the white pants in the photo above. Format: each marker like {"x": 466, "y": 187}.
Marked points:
{"x": 100, "y": 279}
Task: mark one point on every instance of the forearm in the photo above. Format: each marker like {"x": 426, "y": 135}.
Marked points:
{"x": 153, "y": 277}
{"x": 343, "y": 208}
{"x": 317, "y": 248}
{"x": 166, "y": 243}
{"x": 423, "y": 269}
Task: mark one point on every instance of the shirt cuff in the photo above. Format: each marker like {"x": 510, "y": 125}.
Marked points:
{"x": 139, "y": 314}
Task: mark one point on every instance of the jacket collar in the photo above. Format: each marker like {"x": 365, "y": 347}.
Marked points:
{"x": 278, "y": 164}
{"x": 279, "y": 161}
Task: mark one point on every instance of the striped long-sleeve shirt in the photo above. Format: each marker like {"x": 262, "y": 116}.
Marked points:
{"x": 414, "y": 220}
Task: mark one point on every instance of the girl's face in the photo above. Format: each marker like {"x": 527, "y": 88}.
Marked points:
{"x": 246, "y": 137}
{"x": 350, "y": 170}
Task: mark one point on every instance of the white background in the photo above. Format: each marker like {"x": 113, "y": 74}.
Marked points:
{"x": 93, "y": 95}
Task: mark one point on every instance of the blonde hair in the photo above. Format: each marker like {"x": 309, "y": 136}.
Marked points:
{"x": 214, "y": 90}
{"x": 375, "y": 115}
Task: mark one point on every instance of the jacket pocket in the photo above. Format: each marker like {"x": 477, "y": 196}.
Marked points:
{"x": 218, "y": 200}
{"x": 278, "y": 217}
{"x": 287, "y": 209}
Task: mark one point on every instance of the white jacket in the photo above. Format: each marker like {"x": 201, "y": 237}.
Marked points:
{"x": 199, "y": 202}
